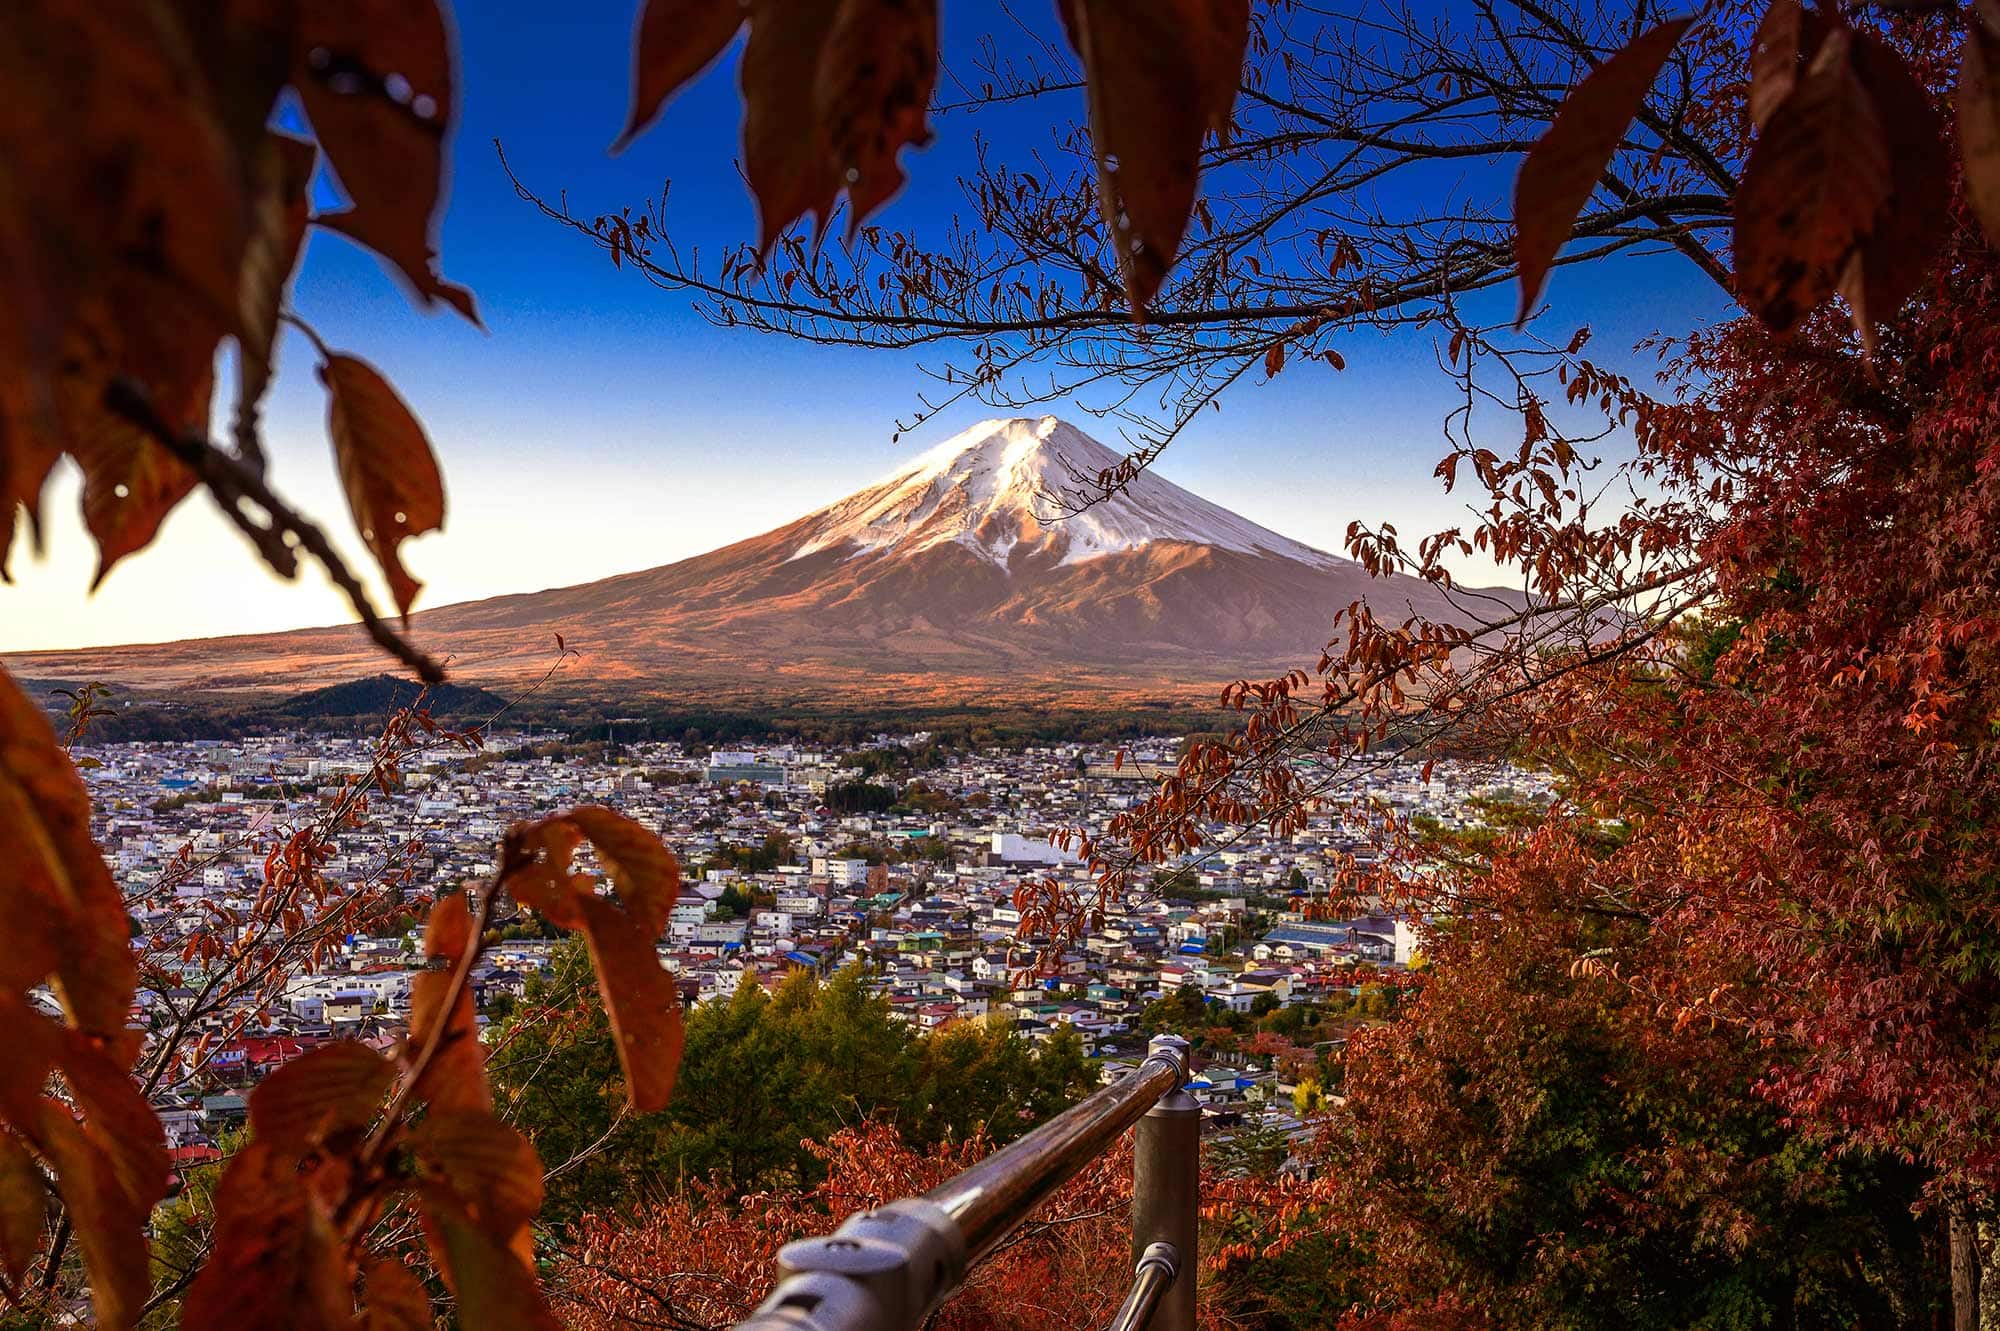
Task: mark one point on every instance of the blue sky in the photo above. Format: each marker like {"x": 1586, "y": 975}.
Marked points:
{"x": 601, "y": 426}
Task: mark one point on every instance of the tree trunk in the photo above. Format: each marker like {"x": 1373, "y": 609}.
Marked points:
{"x": 1964, "y": 1271}
{"x": 1987, "y": 1230}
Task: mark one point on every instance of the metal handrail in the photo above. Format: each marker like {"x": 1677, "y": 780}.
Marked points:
{"x": 889, "y": 1269}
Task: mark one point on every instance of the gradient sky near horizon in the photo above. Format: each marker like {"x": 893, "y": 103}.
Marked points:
{"x": 600, "y": 426}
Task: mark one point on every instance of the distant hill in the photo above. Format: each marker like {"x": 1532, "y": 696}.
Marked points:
{"x": 952, "y": 580}
{"x": 378, "y": 695}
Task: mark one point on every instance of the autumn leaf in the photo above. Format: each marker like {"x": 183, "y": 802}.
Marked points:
{"x": 1274, "y": 359}
{"x": 276, "y": 1262}
{"x": 640, "y": 996}
{"x": 495, "y": 1288}
{"x": 1813, "y": 190}
{"x": 26, "y": 458}
{"x": 785, "y": 161}
{"x": 377, "y": 83}
{"x": 456, "y": 1076}
{"x": 676, "y": 40}
{"x": 872, "y": 94}
{"x": 326, "y": 1093}
{"x": 386, "y": 466}
{"x": 70, "y": 919}
{"x": 489, "y": 1169}
{"x": 284, "y": 172}
{"x": 130, "y": 480}
{"x": 1786, "y": 38}
{"x": 394, "y": 1299}
{"x": 1566, "y": 164}
{"x": 1978, "y": 99}
{"x": 1146, "y": 127}
{"x": 23, "y": 1207}
{"x": 1911, "y": 225}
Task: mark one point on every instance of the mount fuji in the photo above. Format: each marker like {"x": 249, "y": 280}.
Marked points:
{"x": 957, "y": 576}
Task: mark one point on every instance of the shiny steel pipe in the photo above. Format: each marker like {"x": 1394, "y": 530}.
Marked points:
{"x": 890, "y": 1268}
{"x": 1155, "y": 1273}
{"x": 988, "y": 1200}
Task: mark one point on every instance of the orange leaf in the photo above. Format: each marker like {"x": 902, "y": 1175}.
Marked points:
{"x": 872, "y": 93}
{"x": 1274, "y": 359}
{"x": 395, "y": 1299}
{"x": 1813, "y": 189}
{"x": 69, "y": 917}
{"x": 640, "y": 996}
{"x": 456, "y": 1077}
{"x": 130, "y": 481}
{"x": 386, "y": 466}
{"x": 376, "y": 80}
{"x": 489, "y": 1169}
{"x": 1146, "y": 125}
{"x": 327, "y": 1093}
{"x": 277, "y": 1260}
{"x": 676, "y": 40}
{"x": 1978, "y": 118}
{"x": 284, "y": 171}
{"x": 1565, "y": 165}
{"x": 23, "y": 1207}
{"x": 495, "y": 1287}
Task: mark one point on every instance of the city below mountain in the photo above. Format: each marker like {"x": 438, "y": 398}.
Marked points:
{"x": 959, "y": 572}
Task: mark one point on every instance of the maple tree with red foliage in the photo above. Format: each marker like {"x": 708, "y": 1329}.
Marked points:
{"x": 1804, "y": 790}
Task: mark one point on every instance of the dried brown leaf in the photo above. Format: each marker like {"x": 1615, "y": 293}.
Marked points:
{"x": 872, "y": 94}
{"x": 1146, "y": 126}
{"x": 1566, "y": 164}
{"x": 377, "y": 82}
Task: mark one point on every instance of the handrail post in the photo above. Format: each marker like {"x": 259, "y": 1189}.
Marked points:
{"x": 1166, "y": 1188}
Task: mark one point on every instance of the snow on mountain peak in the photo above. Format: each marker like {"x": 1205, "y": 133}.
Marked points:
{"x": 996, "y": 490}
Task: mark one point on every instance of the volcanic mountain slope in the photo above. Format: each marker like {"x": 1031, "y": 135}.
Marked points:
{"x": 955, "y": 568}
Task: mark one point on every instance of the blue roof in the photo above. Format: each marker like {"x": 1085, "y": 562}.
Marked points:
{"x": 1193, "y": 949}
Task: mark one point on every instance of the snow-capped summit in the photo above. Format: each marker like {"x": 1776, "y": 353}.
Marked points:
{"x": 957, "y": 579}
{"x": 997, "y": 489}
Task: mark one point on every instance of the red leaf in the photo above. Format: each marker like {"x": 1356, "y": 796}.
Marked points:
{"x": 1912, "y": 223}
{"x": 23, "y": 1207}
{"x": 1812, "y": 192}
{"x": 1566, "y": 164}
{"x": 1978, "y": 118}
{"x": 1787, "y": 37}
{"x": 676, "y": 40}
{"x": 785, "y": 154}
{"x": 130, "y": 481}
